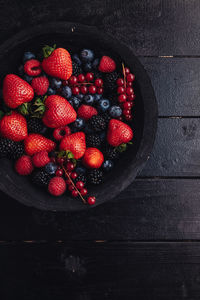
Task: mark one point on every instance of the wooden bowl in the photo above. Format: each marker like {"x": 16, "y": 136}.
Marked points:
{"x": 75, "y": 37}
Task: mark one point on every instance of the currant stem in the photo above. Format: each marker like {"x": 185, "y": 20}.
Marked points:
{"x": 124, "y": 74}
{"x": 65, "y": 171}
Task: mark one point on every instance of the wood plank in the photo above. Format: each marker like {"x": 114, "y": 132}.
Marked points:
{"x": 150, "y": 209}
{"x": 85, "y": 271}
{"x": 176, "y": 84}
{"x": 159, "y": 27}
{"x": 176, "y": 150}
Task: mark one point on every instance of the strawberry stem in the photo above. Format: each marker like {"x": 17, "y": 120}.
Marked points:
{"x": 47, "y": 50}
{"x": 65, "y": 171}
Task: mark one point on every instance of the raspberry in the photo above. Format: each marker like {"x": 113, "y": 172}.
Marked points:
{"x": 40, "y": 159}
{"x": 32, "y": 67}
{"x": 60, "y": 132}
{"x": 40, "y": 85}
{"x": 23, "y": 165}
{"x": 57, "y": 186}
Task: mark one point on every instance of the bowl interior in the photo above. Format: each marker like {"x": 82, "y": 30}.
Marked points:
{"x": 75, "y": 39}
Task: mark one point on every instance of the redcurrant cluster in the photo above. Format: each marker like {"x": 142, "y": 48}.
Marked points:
{"x": 126, "y": 94}
{"x": 85, "y": 84}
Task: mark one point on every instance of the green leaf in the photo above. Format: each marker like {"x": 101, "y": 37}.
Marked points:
{"x": 61, "y": 154}
{"x": 1, "y": 114}
{"x": 69, "y": 154}
{"x": 47, "y": 50}
{"x": 130, "y": 143}
{"x": 122, "y": 148}
{"x": 24, "y": 109}
{"x": 73, "y": 160}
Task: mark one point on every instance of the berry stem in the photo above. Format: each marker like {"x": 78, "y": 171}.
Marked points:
{"x": 124, "y": 74}
{"x": 65, "y": 171}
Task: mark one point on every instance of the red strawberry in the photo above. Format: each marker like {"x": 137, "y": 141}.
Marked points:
{"x": 16, "y": 91}
{"x": 93, "y": 158}
{"x": 23, "y": 165}
{"x": 58, "y": 63}
{"x": 74, "y": 143}
{"x": 40, "y": 159}
{"x": 59, "y": 112}
{"x": 86, "y": 112}
{"x": 36, "y": 142}
{"x": 40, "y": 85}
{"x": 32, "y": 67}
{"x": 57, "y": 186}
{"x": 107, "y": 64}
{"x": 13, "y": 127}
{"x": 118, "y": 133}
{"x": 60, "y": 132}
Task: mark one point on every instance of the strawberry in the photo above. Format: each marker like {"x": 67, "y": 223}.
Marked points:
{"x": 13, "y": 127}
{"x": 23, "y": 165}
{"x": 40, "y": 85}
{"x": 57, "y": 62}
{"x": 57, "y": 186}
{"x": 60, "y": 132}
{"x": 32, "y": 67}
{"x": 36, "y": 142}
{"x": 86, "y": 112}
{"x": 74, "y": 143}
{"x": 40, "y": 159}
{"x": 16, "y": 91}
{"x": 118, "y": 133}
{"x": 59, "y": 112}
{"x": 93, "y": 158}
{"x": 107, "y": 64}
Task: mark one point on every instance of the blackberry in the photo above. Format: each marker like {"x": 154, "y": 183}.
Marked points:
{"x": 97, "y": 74}
{"x": 40, "y": 178}
{"x": 35, "y": 125}
{"x": 106, "y": 116}
{"x": 17, "y": 150}
{"x": 111, "y": 153}
{"x": 6, "y": 147}
{"x": 95, "y": 176}
{"x": 93, "y": 140}
{"x": 81, "y": 177}
{"x": 110, "y": 80}
{"x": 97, "y": 123}
{"x": 76, "y": 69}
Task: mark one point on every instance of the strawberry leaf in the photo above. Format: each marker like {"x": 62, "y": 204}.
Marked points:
{"x": 61, "y": 154}
{"x": 1, "y": 114}
{"x": 73, "y": 160}
{"x": 69, "y": 154}
{"x": 24, "y": 109}
{"x": 121, "y": 148}
{"x": 130, "y": 143}
{"x": 47, "y": 50}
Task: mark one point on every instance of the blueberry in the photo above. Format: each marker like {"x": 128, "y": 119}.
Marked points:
{"x": 79, "y": 123}
{"x": 104, "y": 104}
{"x": 76, "y": 102}
{"x": 80, "y": 170}
{"x": 115, "y": 111}
{"x": 87, "y": 55}
{"x": 108, "y": 165}
{"x": 89, "y": 99}
{"x": 80, "y": 96}
{"x": 27, "y": 56}
{"x": 97, "y": 97}
{"x": 95, "y": 63}
{"x": 51, "y": 91}
{"x": 66, "y": 92}
{"x": 87, "y": 67}
{"x": 28, "y": 78}
{"x": 76, "y": 58}
{"x": 55, "y": 83}
{"x": 21, "y": 70}
{"x": 102, "y": 135}
{"x": 51, "y": 168}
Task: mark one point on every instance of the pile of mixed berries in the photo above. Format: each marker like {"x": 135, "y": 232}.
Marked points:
{"x": 64, "y": 119}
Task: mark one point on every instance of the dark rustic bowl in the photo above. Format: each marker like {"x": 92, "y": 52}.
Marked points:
{"x": 74, "y": 37}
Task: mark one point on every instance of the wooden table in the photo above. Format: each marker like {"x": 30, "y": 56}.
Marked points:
{"x": 144, "y": 244}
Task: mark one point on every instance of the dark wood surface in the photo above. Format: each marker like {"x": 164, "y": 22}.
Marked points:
{"x": 145, "y": 243}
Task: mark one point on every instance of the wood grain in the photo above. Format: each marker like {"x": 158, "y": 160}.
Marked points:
{"x": 100, "y": 271}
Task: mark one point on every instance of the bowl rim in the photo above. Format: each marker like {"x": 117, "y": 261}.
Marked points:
{"x": 146, "y": 90}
